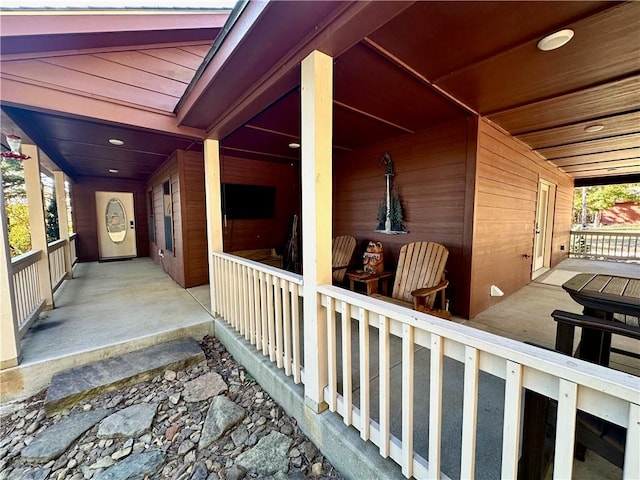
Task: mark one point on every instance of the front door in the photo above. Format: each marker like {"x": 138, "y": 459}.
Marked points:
{"x": 116, "y": 225}
{"x": 544, "y": 213}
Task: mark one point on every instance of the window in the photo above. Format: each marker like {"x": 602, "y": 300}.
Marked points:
{"x": 152, "y": 217}
{"x": 168, "y": 220}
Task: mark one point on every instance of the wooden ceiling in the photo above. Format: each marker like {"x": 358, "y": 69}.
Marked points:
{"x": 72, "y": 82}
{"x": 400, "y": 67}
{"x": 436, "y": 61}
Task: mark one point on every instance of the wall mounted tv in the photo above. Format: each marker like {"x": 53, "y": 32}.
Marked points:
{"x": 242, "y": 202}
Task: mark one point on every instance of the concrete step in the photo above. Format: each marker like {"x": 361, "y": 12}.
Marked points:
{"x": 71, "y": 386}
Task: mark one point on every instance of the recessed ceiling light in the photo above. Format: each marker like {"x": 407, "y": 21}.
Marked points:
{"x": 113, "y": 170}
{"x": 294, "y": 145}
{"x": 116, "y": 141}
{"x": 594, "y": 128}
{"x": 555, "y": 40}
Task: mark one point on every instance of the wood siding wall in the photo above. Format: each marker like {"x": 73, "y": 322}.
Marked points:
{"x": 430, "y": 172}
{"x": 262, "y": 233}
{"x": 84, "y": 213}
{"x": 507, "y": 176}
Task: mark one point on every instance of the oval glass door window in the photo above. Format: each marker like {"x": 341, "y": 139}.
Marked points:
{"x": 116, "y": 221}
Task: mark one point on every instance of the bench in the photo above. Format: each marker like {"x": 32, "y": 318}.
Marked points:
{"x": 267, "y": 256}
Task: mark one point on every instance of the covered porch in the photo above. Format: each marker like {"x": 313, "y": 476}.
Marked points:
{"x": 111, "y": 308}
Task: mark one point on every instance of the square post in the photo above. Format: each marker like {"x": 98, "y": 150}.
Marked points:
{"x": 63, "y": 220}
{"x": 317, "y": 127}
{"x": 9, "y": 337}
{"x": 37, "y": 224}
{"x": 212, "y": 183}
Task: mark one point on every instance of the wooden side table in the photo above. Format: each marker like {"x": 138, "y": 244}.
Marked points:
{"x": 370, "y": 280}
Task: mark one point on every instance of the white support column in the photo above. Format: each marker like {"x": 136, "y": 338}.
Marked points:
{"x": 212, "y": 183}
{"x": 317, "y": 109}
{"x": 9, "y": 338}
{"x": 63, "y": 220}
{"x": 37, "y": 223}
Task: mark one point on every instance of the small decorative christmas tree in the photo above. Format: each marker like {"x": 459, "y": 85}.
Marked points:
{"x": 396, "y": 212}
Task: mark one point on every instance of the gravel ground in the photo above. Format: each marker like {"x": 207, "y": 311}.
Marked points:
{"x": 175, "y": 431}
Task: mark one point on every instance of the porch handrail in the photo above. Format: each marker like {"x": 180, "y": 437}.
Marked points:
{"x": 28, "y": 299}
{"x": 57, "y": 266}
{"x": 608, "y": 394}
{"x": 261, "y": 303}
{"x": 605, "y": 245}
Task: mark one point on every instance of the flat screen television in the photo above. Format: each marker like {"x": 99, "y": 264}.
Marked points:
{"x": 241, "y": 202}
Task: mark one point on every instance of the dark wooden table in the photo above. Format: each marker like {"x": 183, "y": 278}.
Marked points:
{"x": 370, "y": 280}
{"x": 601, "y": 296}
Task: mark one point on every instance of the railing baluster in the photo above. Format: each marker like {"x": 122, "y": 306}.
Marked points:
{"x": 512, "y": 414}
{"x": 407, "y": 399}
{"x": 286, "y": 323}
{"x": 632, "y": 445}
{"x": 295, "y": 332}
{"x": 271, "y": 345}
{"x": 347, "y": 391}
{"x": 565, "y": 429}
{"x": 435, "y": 405}
{"x": 364, "y": 374}
{"x": 469, "y": 412}
{"x": 246, "y": 299}
{"x": 263, "y": 313}
{"x": 255, "y": 310}
{"x": 384, "y": 401}
{"x": 278, "y": 321}
{"x": 332, "y": 372}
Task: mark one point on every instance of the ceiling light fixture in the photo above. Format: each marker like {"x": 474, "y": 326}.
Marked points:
{"x": 113, "y": 170}
{"x": 594, "y": 128}
{"x": 116, "y": 141}
{"x": 555, "y": 40}
{"x": 294, "y": 145}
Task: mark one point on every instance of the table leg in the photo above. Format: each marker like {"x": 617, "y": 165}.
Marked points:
{"x": 385, "y": 286}
{"x": 372, "y": 286}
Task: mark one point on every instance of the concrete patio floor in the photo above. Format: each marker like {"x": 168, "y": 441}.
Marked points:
{"x": 106, "y": 310}
{"x": 116, "y": 307}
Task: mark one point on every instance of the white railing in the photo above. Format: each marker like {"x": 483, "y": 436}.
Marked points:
{"x": 72, "y": 248}
{"x": 385, "y": 406}
{"x": 262, "y": 303}
{"x": 57, "y": 265}
{"x": 28, "y": 299}
{"x": 605, "y": 245}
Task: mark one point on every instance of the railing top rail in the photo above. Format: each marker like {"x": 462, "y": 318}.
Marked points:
{"x": 53, "y": 246}
{"x": 289, "y": 276}
{"x": 620, "y": 384}
{"x": 26, "y": 259}
{"x": 72, "y": 236}
{"x": 607, "y": 233}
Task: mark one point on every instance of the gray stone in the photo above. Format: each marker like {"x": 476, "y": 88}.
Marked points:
{"x": 205, "y": 386}
{"x": 310, "y": 450}
{"x": 200, "y": 472}
{"x": 55, "y": 440}
{"x": 240, "y": 435}
{"x": 185, "y": 447}
{"x": 235, "y": 473}
{"x": 221, "y": 416}
{"x": 134, "y": 467}
{"x": 268, "y": 456}
{"x": 29, "y": 473}
{"x": 112, "y": 374}
{"x": 124, "y": 451}
{"x": 130, "y": 422}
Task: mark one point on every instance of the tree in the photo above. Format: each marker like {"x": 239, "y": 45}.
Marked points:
{"x": 19, "y": 236}
{"x": 601, "y": 197}
{"x": 12, "y": 179}
{"x": 51, "y": 219}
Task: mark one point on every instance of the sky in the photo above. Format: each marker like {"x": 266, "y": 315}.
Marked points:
{"x": 117, "y": 3}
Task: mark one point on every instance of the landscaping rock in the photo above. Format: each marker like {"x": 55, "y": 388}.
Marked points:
{"x": 204, "y": 387}
{"x": 222, "y": 415}
{"x": 268, "y": 456}
{"x": 130, "y": 422}
{"x": 134, "y": 467}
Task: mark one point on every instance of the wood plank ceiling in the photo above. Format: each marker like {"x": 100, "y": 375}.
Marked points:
{"x": 401, "y": 77}
{"x": 114, "y": 71}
